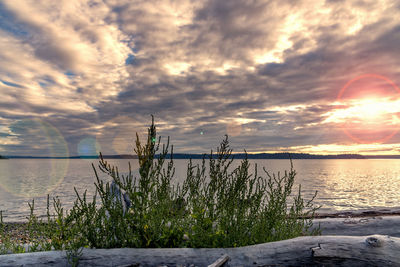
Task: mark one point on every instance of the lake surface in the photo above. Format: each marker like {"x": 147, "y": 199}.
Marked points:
{"x": 342, "y": 184}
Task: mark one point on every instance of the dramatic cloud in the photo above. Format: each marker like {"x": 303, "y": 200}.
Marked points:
{"x": 81, "y": 76}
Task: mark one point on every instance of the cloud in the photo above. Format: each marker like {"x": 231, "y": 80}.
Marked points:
{"x": 68, "y": 39}
{"x": 274, "y": 68}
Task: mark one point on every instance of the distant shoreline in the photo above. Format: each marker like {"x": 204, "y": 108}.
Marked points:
{"x": 236, "y": 156}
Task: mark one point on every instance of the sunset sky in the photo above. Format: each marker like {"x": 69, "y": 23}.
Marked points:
{"x": 78, "y": 76}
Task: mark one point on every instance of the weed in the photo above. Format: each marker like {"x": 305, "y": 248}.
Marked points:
{"x": 226, "y": 207}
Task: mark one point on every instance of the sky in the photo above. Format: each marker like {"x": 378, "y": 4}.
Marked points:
{"x": 310, "y": 76}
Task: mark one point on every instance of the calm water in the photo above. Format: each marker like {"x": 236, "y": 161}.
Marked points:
{"x": 341, "y": 184}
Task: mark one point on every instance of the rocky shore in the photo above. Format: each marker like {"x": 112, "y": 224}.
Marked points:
{"x": 17, "y": 231}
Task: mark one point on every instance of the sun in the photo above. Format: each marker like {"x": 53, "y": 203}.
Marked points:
{"x": 370, "y": 110}
{"x": 367, "y": 120}
{"x": 365, "y": 110}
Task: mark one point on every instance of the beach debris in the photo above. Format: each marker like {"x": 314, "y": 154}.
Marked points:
{"x": 221, "y": 261}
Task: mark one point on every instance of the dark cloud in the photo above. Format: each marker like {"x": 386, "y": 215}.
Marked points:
{"x": 270, "y": 70}
{"x": 230, "y": 28}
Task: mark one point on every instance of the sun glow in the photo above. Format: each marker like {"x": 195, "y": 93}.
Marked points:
{"x": 370, "y": 110}
{"x": 366, "y": 111}
{"x": 334, "y": 149}
{"x": 367, "y": 120}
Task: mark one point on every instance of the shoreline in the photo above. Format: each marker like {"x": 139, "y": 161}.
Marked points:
{"x": 394, "y": 211}
{"x": 361, "y": 213}
{"x": 342, "y": 231}
{"x": 359, "y": 222}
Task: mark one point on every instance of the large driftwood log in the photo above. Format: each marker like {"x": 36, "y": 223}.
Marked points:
{"x": 376, "y": 250}
{"x": 359, "y": 226}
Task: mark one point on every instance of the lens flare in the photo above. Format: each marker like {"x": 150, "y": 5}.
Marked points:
{"x": 24, "y": 177}
{"x": 119, "y": 134}
{"x": 233, "y": 129}
{"x": 88, "y": 147}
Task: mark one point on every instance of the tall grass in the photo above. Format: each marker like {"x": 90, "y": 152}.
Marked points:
{"x": 218, "y": 206}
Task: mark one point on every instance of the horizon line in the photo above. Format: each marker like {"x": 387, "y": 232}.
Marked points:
{"x": 283, "y": 155}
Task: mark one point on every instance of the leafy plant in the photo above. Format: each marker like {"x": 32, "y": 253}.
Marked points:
{"x": 225, "y": 208}
{"x": 215, "y": 206}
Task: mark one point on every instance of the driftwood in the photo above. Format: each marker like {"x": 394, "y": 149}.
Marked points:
{"x": 360, "y": 226}
{"x": 376, "y": 250}
{"x": 221, "y": 261}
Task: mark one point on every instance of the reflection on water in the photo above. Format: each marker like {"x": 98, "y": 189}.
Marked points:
{"x": 341, "y": 184}
{"x": 356, "y": 184}
{"x": 33, "y": 177}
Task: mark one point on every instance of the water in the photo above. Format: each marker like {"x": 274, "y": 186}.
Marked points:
{"x": 341, "y": 184}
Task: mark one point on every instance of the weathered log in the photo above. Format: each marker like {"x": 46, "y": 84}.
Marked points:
{"x": 376, "y": 250}
{"x": 360, "y": 226}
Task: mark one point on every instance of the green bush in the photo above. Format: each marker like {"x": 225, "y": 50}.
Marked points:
{"x": 226, "y": 207}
